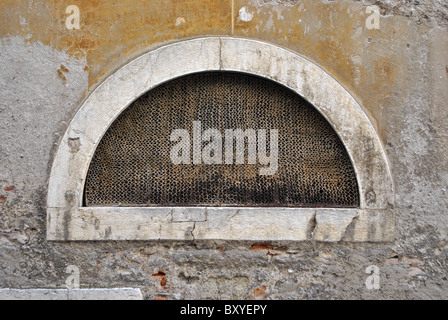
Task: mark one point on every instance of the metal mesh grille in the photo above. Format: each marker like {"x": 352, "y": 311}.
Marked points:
{"x": 132, "y": 165}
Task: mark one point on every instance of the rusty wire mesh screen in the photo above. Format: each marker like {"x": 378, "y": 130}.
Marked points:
{"x": 132, "y": 165}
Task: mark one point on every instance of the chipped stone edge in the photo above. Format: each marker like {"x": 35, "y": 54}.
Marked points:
{"x": 75, "y": 294}
{"x": 115, "y": 94}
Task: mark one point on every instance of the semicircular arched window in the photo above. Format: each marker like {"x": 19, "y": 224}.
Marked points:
{"x": 221, "y": 139}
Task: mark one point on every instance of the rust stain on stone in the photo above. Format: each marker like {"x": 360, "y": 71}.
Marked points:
{"x": 261, "y": 247}
{"x": 160, "y": 274}
{"x": 332, "y": 34}
{"x": 259, "y": 291}
{"x": 61, "y": 72}
{"x": 113, "y": 32}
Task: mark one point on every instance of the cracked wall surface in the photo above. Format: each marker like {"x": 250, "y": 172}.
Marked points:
{"x": 399, "y": 74}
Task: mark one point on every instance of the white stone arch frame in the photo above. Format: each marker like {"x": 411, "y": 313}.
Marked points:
{"x": 68, "y": 220}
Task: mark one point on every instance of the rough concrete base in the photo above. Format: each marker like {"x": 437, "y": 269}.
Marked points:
{"x": 77, "y": 294}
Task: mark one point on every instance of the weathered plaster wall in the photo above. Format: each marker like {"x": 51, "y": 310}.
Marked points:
{"x": 398, "y": 73}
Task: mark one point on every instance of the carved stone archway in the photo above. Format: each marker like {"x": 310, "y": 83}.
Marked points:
{"x": 67, "y": 219}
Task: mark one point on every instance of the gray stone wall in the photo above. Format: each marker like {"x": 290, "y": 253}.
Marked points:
{"x": 39, "y": 99}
